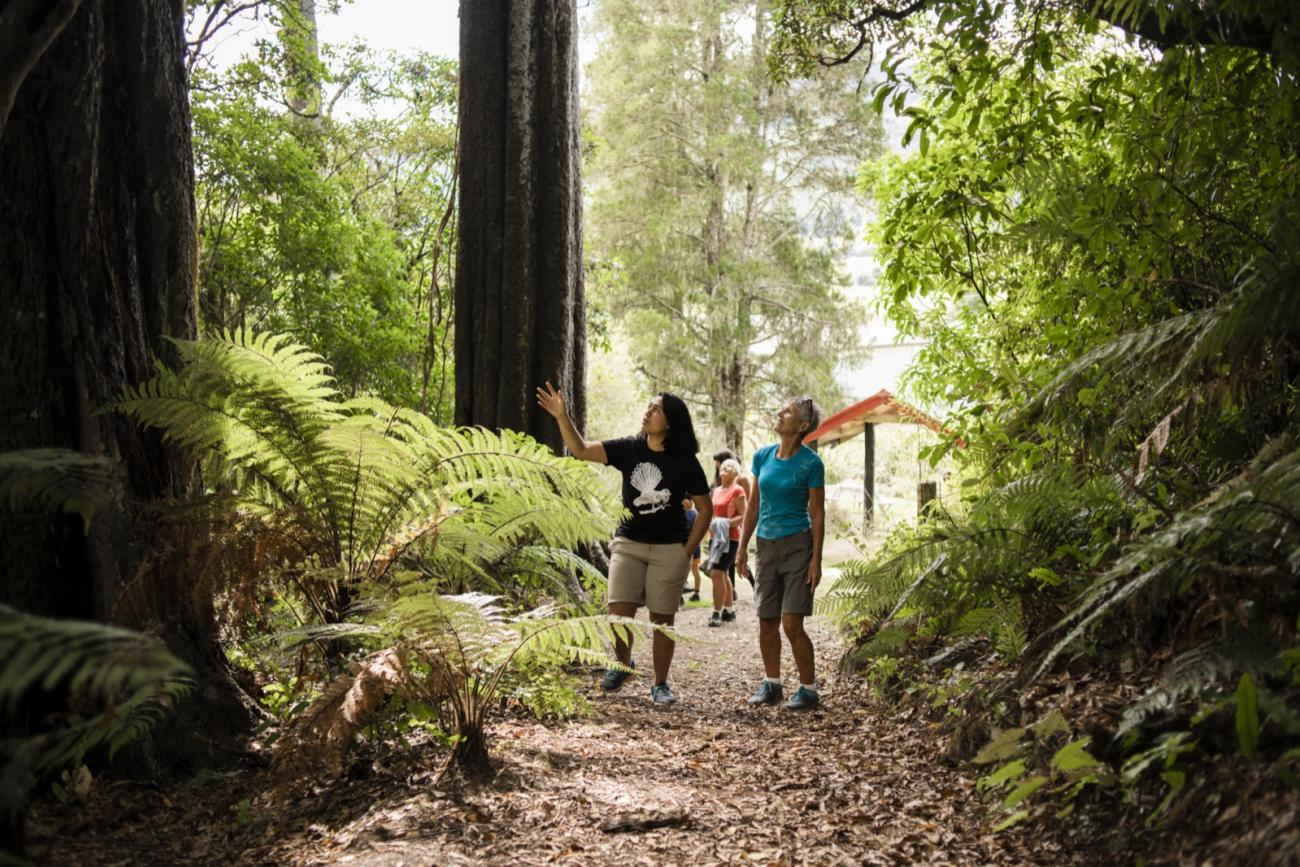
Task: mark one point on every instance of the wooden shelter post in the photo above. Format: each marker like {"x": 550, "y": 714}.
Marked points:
{"x": 868, "y": 473}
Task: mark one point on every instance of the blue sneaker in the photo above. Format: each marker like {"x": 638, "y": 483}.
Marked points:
{"x": 767, "y": 693}
{"x": 661, "y": 694}
{"x": 803, "y": 699}
{"x": 614, "y": 678}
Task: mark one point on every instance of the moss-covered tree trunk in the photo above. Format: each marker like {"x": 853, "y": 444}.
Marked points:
{"x": 97, "y": 253}
{"x": 520, "y": 314}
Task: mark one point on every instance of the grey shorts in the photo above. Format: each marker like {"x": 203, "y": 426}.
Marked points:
{"x": 781, "y": 583}
{"x": 649, "y": 575}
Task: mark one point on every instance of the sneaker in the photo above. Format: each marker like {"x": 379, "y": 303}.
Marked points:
{"x": 715, "y": 619}
{"x": 695, "y": 597}
{"x": 728, "y": 615}
{"x": 614, "y": 678}
{"x": 661, "y": 694}
{"x": 767, "y": 693}
{"x": 803, "y": 699}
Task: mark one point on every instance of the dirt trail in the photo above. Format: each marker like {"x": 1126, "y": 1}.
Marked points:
{"x": 734, "y": 785}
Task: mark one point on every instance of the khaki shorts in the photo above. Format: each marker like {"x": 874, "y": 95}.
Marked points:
{"x": 781, "y": 583}
{"x": 649, "y": 575}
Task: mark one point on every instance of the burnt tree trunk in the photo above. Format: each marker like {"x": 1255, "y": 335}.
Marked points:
{"x": 98, "y": 256}
{"x": 520, "y": 311}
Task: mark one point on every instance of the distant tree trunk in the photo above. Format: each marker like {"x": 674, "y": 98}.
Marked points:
{"x": 98, "y": 256}
{"x": 520, "y": 310}
{"x": 300, "y": 39}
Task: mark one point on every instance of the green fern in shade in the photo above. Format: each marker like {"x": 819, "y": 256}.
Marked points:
{"x": 116, "y": 683}
{"x": 131, "y": 675}
{"x": 1245, "y": 535}
{"x": 57, "y": 480}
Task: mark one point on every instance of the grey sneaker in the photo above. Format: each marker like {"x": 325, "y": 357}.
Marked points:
{"x": 728, "y": 615}
{"x": 715, "y": 619}
{"x": 661, "y": 694}
{"x": 767, "y": 693}
{"x": 803, "y": 699}
{"x": 614, "y": 678}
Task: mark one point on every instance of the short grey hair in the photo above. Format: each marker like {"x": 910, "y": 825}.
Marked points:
{"x": 808, "y": 412}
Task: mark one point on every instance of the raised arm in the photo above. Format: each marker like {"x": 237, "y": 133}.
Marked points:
{"x": 583, "y": 449}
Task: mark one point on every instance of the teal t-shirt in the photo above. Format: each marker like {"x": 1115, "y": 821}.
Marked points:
{"x": 783, "y": 490}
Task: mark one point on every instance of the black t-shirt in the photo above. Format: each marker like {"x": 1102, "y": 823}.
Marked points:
{"x": 654, "y": 485}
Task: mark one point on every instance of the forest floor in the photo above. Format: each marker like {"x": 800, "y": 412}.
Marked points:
{"x": 727, "y": 783}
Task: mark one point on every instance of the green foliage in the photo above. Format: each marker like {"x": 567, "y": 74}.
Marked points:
{"x": 106, "y": 686}
{"x": 469, "y": 650}
{"x": 1095, "y": 230}
{"x": 377, "y": 512}
{"x": 355, "y": 486}
{"x": 116, "y": 685}
{"x": 325, "y": 180}
{"x": 718, "y": 212}
{"x": 1031, "y": 760}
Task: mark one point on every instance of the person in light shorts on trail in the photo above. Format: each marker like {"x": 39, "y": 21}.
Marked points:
{"x": 651, "y": 551}
{"x": 788, "y": 513}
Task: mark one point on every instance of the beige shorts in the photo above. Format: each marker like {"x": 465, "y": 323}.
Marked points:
{"x": 649, "y": 575}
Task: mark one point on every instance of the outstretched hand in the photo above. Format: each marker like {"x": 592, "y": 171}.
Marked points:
{"x": 551, "y": 400}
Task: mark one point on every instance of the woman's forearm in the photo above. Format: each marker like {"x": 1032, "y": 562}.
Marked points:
{"x": 751, "y": 518}
{"x": 817, "y": 514}
{"x": 574, "y": 441}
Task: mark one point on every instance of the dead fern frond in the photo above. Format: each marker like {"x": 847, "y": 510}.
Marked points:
{"x": 320, "y": 737}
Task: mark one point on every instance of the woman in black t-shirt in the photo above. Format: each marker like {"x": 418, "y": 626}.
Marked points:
{"x": 652, "y": 548}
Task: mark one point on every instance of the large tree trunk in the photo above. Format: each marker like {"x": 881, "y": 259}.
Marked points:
{"x": 98, "y": 256}
{"x": 520, "y": 313}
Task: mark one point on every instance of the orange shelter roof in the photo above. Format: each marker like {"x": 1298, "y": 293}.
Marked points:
{"x": 881, "y": 408}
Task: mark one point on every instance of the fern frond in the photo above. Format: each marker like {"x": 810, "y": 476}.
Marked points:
{"x": 1252, "y": 518}
{"x": 369, "y": 483}
{"x": 1259, "y": 314}
{"x": 132, "y": 677}
{"x": 54, "y": 480}
{"x": 1195, "y": 672}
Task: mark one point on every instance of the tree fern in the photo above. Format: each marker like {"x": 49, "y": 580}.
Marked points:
{"x": 361, "y": 484}
{"x": 464, "y": 648}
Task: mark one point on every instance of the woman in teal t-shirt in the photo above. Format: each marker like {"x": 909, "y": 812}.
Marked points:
{"x": 788, "y": 511}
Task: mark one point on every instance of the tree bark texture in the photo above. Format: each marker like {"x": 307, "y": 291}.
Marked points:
{"x": 98, "y": 253}
{"x": 520, "y": 310}
{"x": 97, "y": 201}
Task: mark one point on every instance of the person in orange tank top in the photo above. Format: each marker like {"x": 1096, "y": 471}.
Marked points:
{"x": 729, "y": 503}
